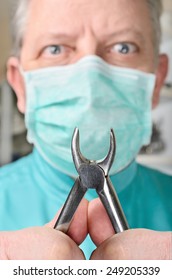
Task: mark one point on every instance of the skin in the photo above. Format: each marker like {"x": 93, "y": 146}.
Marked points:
{"x": 61, "y": 33}
{"x": 96, "y": 29}
{"x": 46, "y": 243}
{"x": 134, "y": 244}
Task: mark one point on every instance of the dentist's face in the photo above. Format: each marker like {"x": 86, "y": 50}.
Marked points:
{"x": 61, "y": 32}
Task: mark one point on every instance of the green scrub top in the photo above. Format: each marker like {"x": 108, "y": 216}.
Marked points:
{"x": 32, "y": 191}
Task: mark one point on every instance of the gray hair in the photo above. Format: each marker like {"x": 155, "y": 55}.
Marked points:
{"x": 20, "y": 20}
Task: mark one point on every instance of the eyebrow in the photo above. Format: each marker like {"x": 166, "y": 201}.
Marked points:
{"x": 68, "y": 36}
{"x": 126, "y": 31}
{"x": 56, "y": 35}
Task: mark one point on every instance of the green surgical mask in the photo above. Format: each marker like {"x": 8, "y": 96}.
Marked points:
{"x": 95, "y": 97}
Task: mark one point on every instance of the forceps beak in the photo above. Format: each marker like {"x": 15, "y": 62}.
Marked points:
{"x": 78, "y": 158}
{"x": 107, "y": 162}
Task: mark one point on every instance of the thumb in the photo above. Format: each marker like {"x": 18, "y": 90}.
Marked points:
{"x": 78, "y": 229}
{"x": 136, "y": 244}
{"x": 99, "y": 225}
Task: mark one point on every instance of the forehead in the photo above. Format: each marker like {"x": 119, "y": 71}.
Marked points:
{"x": 100, "y": 15}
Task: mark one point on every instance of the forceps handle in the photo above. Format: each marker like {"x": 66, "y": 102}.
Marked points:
{"x": 113, "y": 207}
{"x": 66, "y": 215}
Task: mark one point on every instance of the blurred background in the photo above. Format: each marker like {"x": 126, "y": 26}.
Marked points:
{"x": 13, "y": 144}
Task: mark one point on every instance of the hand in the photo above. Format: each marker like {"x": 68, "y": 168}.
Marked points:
{"x": 136, "y": 244}
{"x": 46, "y": 243}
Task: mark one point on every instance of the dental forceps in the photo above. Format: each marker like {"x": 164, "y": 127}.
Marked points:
{"x": 92, "y": 174}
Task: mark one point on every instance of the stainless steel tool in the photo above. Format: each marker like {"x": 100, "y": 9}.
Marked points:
{"x": 92, "y": 174}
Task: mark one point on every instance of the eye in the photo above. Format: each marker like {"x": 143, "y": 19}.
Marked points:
{"x": 54, "y": 50}
{"x": 124, "y": 48}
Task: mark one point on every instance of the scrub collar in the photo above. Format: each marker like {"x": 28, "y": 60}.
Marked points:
{"x": 124, "y": 178}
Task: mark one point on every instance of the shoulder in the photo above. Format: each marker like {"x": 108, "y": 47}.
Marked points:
{"x": 155, "y": 177}
{"x": 153, "y": 172}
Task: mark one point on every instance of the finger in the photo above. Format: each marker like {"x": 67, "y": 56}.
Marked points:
{"x": 36, "y": 243}
{"x": 99, "y": 225}
{"x": 136, "y": 244}
{"x": 78, "y": 228}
